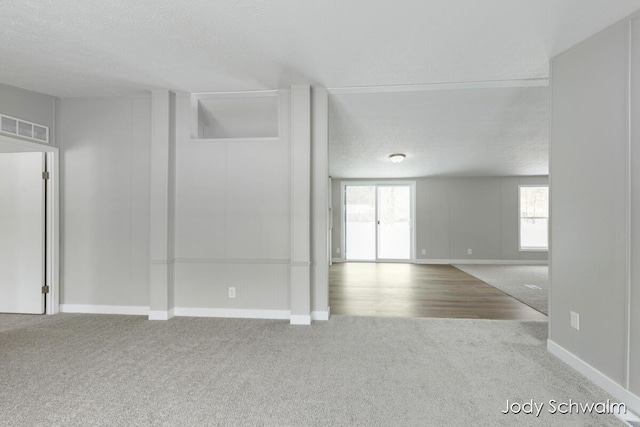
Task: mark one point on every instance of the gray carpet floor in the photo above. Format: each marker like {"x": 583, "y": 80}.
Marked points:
{"x": 103, "y": 370}
{"x": 512, "y": 280}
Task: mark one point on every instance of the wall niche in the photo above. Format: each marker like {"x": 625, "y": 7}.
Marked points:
{"x": 235, "y": 116}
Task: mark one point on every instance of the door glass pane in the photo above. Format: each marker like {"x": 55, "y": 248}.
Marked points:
{"x": 360, "y": 224}
{"x": 394, "y": 239}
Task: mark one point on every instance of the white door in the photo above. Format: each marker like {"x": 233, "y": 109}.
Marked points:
{"x": 22, "y": 202}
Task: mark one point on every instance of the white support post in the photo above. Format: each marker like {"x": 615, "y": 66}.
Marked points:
{"x": 161, "y": 292}
{"x": 320, "y": 204}
{"x": 300, "y": 205}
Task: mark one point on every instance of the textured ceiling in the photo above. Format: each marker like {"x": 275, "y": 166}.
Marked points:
{"x": 113, "y": 47}
{"x": 86, "y": 48}
{"x": 469, "y": 132}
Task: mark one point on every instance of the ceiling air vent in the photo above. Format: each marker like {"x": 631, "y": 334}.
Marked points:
{"x": 22, "y": 128}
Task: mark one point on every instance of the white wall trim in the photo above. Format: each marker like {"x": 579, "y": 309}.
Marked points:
{"x": 27, "y": 145}
{"x": 195, "y": 312}
{"x": 234, "y": 313}
{"x": 488, "y": 84}
{"x": 237, "y": 94}
{"x": 320, "y": 315}
{"x": 457, "y": 261}
{"x": 300, "y": 319}
{"x": 629, "y": 198}
{"x": 483, "y": 261}
{"x": 135, "y": 95}
{"x": 300, "y": 263}
{"x": 161, "y": 315}
{"x": 320, "y": 201}
{"x": 230, "y": 261}
{"x": 104, "y": 309}
{"x": 607, "y": 384}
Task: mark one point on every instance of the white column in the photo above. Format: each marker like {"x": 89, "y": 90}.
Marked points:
{"x": 320, "y": 205}
{"x": 300, "y": 205}
{"x": 162, "y": 205}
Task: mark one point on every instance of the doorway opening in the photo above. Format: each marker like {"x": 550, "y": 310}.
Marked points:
{"x": 378, "y": 221}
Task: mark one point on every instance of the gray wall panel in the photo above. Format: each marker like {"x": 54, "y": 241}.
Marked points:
{"x": 475, "y": 218}
{"x": 509, "y": 218}
{"x": 634, "y": 365}
{"x": 589, "y": 196}
{"x": 105, "y": 146}
{"x": 439, "y": 237}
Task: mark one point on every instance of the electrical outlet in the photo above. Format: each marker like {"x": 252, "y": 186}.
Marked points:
{"x": 469, "y": 251}
{"x": 424, "y": 252}
{"x": 337, "y": 250}
{"x": 575, "y": 321}
{"x": 232, "y": 292}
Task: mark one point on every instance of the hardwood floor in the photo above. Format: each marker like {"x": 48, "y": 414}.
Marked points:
{"x": 414, "y": 290}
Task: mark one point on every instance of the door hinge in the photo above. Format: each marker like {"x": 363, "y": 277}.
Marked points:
{"x": 45, "y": 175}
{"x": 45, "y": 289}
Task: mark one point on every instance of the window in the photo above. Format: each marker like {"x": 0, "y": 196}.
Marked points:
{"x": 534, "y": 218}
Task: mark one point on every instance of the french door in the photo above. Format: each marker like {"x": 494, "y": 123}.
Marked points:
{"x": 378, "y": 222}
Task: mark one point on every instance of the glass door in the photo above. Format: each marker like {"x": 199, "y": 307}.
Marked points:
{"x": 378, "y": 222}
{"x": 394, "y": 222}
{"x": 360, "y": 222}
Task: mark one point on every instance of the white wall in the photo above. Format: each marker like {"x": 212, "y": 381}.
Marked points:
{"x": 595, "y": 208}
{"x": 233, "y": 212}
{"x": 227, "y": 223}
{"x": 30, "y": 106}
{"x": 456, "y": 214}
{"x": 105, "y": 201}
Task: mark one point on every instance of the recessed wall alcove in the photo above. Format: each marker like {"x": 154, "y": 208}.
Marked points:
{"x": 235, "y": 116}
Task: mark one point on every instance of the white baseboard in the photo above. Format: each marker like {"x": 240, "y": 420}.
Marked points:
{"x": 320, "y": 315}
{"x": 483, "y": 261}
{"x": 462, "y": 261}
{"x": 607, "y": 384}
{"x": 232, "y": 313}
{"x": 161, "y": 315}
{"x": 104, "y": 309}
{"x": 300, "y": 319}
{"x": 195, "y": 312}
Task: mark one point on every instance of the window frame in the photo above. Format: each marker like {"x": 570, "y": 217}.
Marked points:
{"x": 527, "y": 248}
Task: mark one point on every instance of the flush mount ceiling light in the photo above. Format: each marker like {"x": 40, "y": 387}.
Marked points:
{"x": 397, "y": 158}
